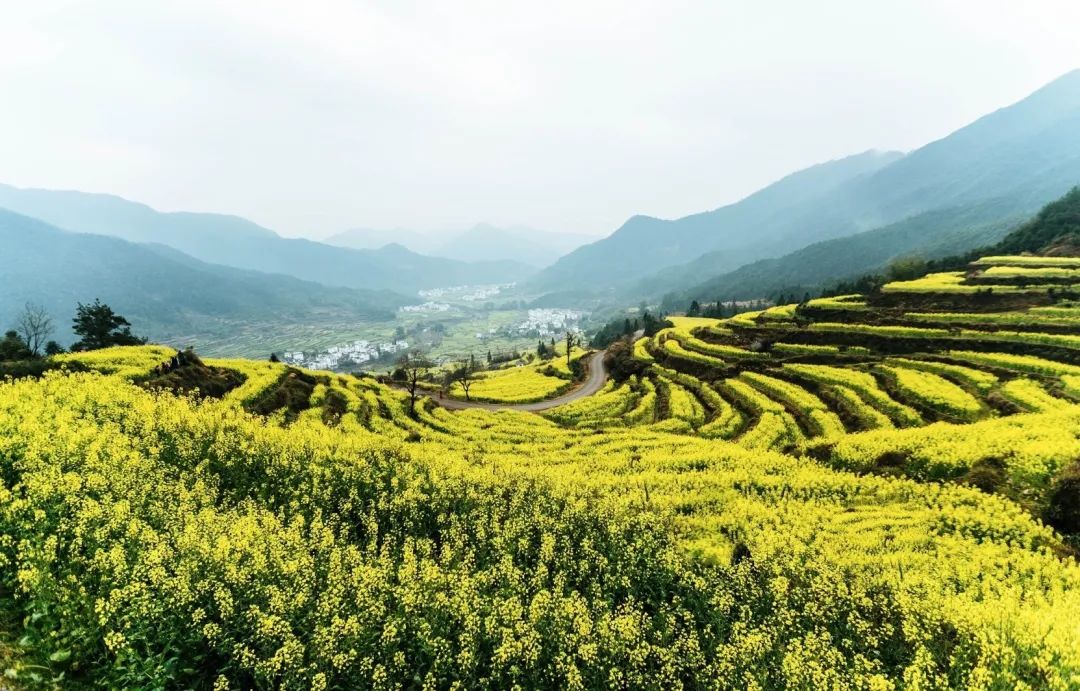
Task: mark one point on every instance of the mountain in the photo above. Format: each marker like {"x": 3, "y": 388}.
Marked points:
{"x": 167, "y": 296}
{"x": 234, "y": 241}
{"x": 772, "y": 215}
{"x": 1022, "y": 156}
{"x": 1054, "y": 229}
{"x": 931, "y": 235}
{"x": 373, "y": 239}
{"x": 482, "y": 242}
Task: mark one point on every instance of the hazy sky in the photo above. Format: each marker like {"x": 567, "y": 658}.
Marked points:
{"x": 317, "y": 115}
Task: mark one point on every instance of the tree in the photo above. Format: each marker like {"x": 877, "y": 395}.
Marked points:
{"x": 905, "y": 268}
{"x": 35, "y": 326}
{"x": 465, "y": 375}
{"x": 12, "y": 347}
{"x": 571, "y": 339}
{"x": 412, "y": 367}
{"x": 620, "y": 362}
{"x": 274, "y": 357}
{"x": 695, "y": 309}
{"x": 53, "y": 348}
{"x": 100, "y": 327}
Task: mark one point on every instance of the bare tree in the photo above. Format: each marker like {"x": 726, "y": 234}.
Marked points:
{"x": 465, "y": 375}
{"x": 412, "y": 367}
{"x": 35, "y": 326}
{"x": 571, "y": 341}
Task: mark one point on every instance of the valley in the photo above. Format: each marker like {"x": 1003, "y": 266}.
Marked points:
{"x": 781, "y": 469}
{"x": 701, "y": 346}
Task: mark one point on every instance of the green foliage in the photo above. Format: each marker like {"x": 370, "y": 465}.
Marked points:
{"x": 620, "y": 361}
{"x": 99, "y": 327}
{"x": 1063, "y": 505}
{"x": 13, "y": 347}
{"x": 1056, "y": 223}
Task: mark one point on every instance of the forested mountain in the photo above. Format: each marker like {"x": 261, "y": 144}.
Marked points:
{"x": 644, "y": 244}
{"x": 166, "y": 294}
{"x": 237, "y": 242}
{"x": 930, "y": 235}
{"x": 482, "y": 242}
{"x": 949, "y": 235}
{"x": 1014, "y": 159}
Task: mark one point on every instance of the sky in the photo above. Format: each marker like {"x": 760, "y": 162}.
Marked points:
{"x": 316, "y": 116}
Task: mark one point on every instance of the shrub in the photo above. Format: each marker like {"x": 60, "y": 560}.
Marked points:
{"x": 1063, "y": 502}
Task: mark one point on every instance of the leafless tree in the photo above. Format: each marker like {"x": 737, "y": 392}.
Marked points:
{"x": 571, "y": 341}
{"x": 413, "y": 366}
{"x": 465, "y": 375}
{"x": 35, "y": 326}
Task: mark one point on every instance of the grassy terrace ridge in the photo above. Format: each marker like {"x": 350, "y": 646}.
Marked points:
{"x": 736, "y": 508}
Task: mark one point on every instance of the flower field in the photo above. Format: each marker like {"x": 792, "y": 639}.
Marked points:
{"x": 523, "y": 384}
{"x": 764, "y": 504}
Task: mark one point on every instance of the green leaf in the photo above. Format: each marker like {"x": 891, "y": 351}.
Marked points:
{"x": 60, "y": 656}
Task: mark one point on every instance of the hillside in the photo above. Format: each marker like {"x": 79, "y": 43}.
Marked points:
{"x": 233, "y": 241}
{"x": 930, "y": 235}
{"x": 946, "y": 236}
{"x": 170, "y": 297}
{"x": 644, "y": 244}
{"x": 846, "y": 492}
{"x": 482, "y": 242}
{"x": 1019, "y": 158}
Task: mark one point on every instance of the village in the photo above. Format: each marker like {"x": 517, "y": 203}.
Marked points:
{"x": 344, "y": 356}
{"x": 542, "y": 323}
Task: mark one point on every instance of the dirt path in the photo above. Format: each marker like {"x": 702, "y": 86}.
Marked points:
{"x": 593, "y": 382}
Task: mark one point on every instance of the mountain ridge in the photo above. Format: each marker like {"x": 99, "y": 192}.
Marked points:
{"x": 238, "y": 242}
{"x": 1028, "y": 151}
{"x": 165, "y": 293}
{"x": 482, "y": 241}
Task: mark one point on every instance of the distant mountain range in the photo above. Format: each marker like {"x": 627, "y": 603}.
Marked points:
{"x": 931, "y": 235}
{"x": 814, "y": 227}
{"x": 237, "y": 242}
{"x": 972, "y": 184}
{"x": 482, "y": 242}
{"x": 167, "y": 295}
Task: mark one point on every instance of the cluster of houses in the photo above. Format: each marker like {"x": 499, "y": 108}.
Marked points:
{"x": 344, "y": 356}
{"x": 428, "y": 306}
{"x": 466, "y": 293}
{"x": 542, "y": 323}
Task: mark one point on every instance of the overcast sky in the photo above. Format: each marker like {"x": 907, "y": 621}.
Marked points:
{"x": 317, "y": 115}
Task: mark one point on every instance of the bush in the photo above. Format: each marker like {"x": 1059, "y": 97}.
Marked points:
{"x": 1063, "y": 502}
{"x": 17, "y": 369}
{"x": 621, "y": 363}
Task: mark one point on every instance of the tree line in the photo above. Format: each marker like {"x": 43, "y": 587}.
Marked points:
{"x": 96, "y": 325}
{"x": 622, "y": 328}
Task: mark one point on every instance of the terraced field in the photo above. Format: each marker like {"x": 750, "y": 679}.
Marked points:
{"x": 523, "y": 384}
{"x": 857, "y": 492}
{"x": 800, "y": 377}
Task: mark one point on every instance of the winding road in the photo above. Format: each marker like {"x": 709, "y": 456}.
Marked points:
{"x": 595, "y": 380}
